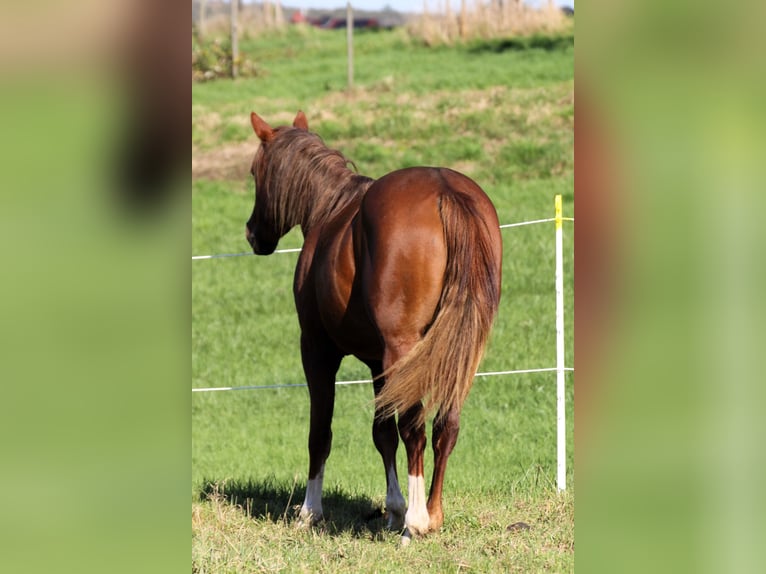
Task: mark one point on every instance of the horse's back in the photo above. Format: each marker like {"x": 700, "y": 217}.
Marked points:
{"x": 411, "y": 188}
{"x": 408, "y": 202}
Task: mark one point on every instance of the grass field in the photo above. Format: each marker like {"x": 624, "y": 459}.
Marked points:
{"x": 504, "y": 115}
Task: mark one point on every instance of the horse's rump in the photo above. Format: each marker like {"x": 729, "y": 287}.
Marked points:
{"x": 440, "y": 367}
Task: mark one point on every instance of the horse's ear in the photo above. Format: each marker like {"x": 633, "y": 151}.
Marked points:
{"x": 301, "y": 122}
{"x": 261, "y": 128}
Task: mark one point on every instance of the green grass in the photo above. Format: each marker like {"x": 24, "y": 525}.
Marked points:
{"x": 504, "y": 117}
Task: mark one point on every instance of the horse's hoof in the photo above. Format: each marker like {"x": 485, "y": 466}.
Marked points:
{"x": 406, "y": 538}
{"x": 395, "y": 521}
{"x": 307, "y": 519}
{"x": 417, "y": 523}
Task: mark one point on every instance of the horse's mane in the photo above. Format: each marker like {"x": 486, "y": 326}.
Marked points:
{"x": 306, "y": 181}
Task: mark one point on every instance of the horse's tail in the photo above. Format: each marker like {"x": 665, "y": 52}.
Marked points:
{"x": 440, "y": 368}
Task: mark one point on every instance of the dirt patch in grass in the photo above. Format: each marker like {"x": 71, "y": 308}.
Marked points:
{"x": 230, "y": 162}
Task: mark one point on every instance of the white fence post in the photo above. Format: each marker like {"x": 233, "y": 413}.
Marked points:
{"x": 561, "y": 444}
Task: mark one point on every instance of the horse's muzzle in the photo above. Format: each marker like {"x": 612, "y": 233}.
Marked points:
{"x": 259, "y": 247}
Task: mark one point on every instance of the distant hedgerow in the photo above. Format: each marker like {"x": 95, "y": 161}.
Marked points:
{"x": 212, "y": 59}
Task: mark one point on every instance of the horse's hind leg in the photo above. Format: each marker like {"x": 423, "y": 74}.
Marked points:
{"x": 413, "y": 433}
{"x": 320, "y": 364}
{"x": 445, "y": 431}
{"x": 386, "y": 439}
{"x": 414, "y": 437}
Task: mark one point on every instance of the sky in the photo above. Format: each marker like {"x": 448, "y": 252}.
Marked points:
{"x": 399, "y": 5}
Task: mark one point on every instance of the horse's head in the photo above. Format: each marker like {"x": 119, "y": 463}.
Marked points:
{"x": 261, "y": 230}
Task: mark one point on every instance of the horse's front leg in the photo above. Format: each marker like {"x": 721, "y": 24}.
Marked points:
{"x": 386, "y": 439}
{"x": 321, "y": 361}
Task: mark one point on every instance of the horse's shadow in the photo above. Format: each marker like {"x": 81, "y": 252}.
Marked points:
{"x": 280, "y": 502}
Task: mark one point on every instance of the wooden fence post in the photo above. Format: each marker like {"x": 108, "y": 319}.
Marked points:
{"x": 201, "y": 23}
{"x": 234, "y": 38}
{"x": 350, "y": 43}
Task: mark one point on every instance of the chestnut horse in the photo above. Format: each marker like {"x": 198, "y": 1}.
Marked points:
{"x": 402, "y": 272}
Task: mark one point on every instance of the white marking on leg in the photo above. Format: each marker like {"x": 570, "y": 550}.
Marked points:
{"x": 394, "y": 501}
{"x": 311, "y": 511}
{"x": 417, "y": 518}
